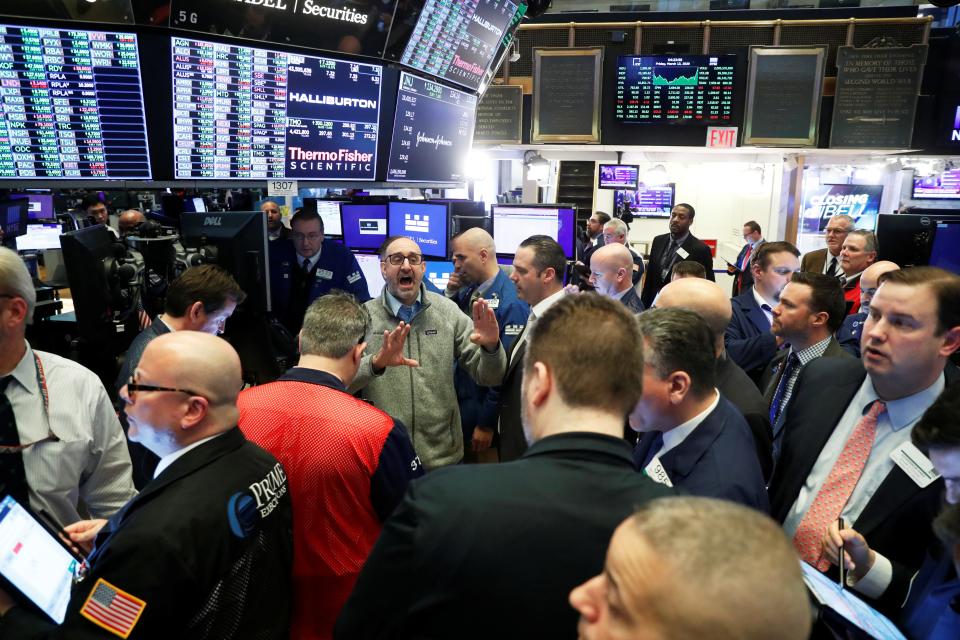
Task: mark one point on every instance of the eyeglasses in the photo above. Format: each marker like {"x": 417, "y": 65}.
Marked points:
{"x": 133, "y": 388}
{"x": 396, "y": 259}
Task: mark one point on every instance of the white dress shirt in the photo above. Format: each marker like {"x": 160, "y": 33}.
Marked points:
{"x": 170, "y": 458}
{"x": 90, "y": 463}
{"x": 674, "y": 437}
{"x": 765, "y": 305}
{"x": 535, "y": 312}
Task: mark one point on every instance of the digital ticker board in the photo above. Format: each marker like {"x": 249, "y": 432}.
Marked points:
{"x": 686, "y": 89}
{"x": 71, "y": 105}
{"x": 242, "y": 112}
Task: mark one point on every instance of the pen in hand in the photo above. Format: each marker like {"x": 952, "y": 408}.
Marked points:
{"x": 843, "y": 569}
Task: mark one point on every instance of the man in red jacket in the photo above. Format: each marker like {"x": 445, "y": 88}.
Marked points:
{"x": 347, "y": 463}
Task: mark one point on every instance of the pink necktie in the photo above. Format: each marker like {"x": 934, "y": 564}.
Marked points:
{"x": 744, "y": 266}
{"x": 837, "y": 489}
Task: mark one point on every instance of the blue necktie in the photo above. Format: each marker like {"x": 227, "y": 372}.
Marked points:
{"x": 654, "y": 449}
{"x": 793, "y": 360}
{"x": 405, "y": 313}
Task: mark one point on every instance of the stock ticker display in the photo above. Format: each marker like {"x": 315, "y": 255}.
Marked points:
{"x": 691, "y": 89}
{"x": 456, "y": 40}
{"x": 71, "y": 105}
{"x": 241, "y": 112}
{"x": 432, "y": 132}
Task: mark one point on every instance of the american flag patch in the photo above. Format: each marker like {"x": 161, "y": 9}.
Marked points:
{"x": 112, "y": 609}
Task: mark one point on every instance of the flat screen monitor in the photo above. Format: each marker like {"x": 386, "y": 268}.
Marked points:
{"x": 646, "y": 201}
{"x": 938, "y": 186}
{"x": 329, "y": 212}
{"x": 432, "y": 132}
{"x": 240, "y": 243}
{"x": 458, "y": 41}
{"x": 823, "y": 201}
{"x": 34, "y": 562}
{"x": 370, "y": 266}
{"x": 40, "y": 205}
{"x": 14, "y": 218}
{"x": 618, "y": 176}
{"x": 423, "y": 222}
{"x": 72, "y": 105}
{"x": 40, "y": 237}
{"x": 195, "y": 205}
{"x": 945, "y": 251}
{"x": 512, "y": 224}
{"x": 688, "y": 89}
{"x": 438, "y": 272}
{"x": 364, "y": 226}
{"x": 245, "y": 113}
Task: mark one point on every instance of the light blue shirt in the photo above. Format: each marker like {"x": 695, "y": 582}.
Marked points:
{"x": 394, "y": 305}
{"x": 894, "y": 427}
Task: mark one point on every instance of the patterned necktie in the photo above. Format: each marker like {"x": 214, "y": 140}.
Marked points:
{"x": 654, "y": 449}
{"x": 793, "y": 360}
{"x": 13, "y": 476}
{"x": 837, "y": 489}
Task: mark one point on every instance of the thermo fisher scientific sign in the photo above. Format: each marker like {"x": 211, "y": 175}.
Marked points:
{"x": 241, "y": 112}
{"x": 432, "y": 132}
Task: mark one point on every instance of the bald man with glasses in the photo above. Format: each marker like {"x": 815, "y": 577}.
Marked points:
{"x": 415, "y": 337}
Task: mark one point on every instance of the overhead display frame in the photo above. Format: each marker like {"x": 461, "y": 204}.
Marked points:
{"x": 71, "y": 105}
{"x": 783, "y": 96}
{"x": 566, "y": 95}
{"x": 246, "y": 113}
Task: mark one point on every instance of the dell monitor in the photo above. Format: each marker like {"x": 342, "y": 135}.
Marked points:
{"x": 364, "y": 226}
{"x": 425, "y": 223}
{"x": 514, "y": 223}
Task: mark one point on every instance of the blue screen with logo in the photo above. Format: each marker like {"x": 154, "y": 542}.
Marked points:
{"x": 945, "y": 252}
{"x": 364, "y": 225}
{"x": 424, "y": 223}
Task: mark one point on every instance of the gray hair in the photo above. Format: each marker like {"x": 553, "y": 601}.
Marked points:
{"x": 15, "y": 279}
{"x": 851, "y": 223}
{"x": 333, "y": 324}
{"x": 869, "y": 238}
{"x": 618, "y": 226}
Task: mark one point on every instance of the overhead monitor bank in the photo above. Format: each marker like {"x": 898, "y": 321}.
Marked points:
{"x": 245, "y": 113}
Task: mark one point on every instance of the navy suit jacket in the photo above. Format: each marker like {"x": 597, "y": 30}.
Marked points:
{"x": 479, "y": 405}
{"x": 748, "y": 340}
{"x": 848, "y": 335}
{"x": 337, "y": 268}
{"x": 717, "y": 460}
{"x": 747, "y": 280}
{"x": 632, "y": 301}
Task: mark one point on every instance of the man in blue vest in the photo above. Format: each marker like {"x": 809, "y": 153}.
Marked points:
{"x": 477, "y": 275}
{"x": 308, "y": 267}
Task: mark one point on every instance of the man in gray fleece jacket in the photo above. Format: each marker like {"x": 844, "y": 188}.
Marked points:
{"x": 416, "y": 338}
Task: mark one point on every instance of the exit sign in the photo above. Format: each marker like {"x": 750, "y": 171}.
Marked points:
{"x": 722, "y": 137}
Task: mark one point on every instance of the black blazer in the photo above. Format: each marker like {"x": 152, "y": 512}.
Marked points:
{"x": 508, "y": 540}
{"x": 896, "y": 520}
{"x": 699, "y": 252}
{"x": 774, "y": 371}
{"x": 717, "y": 460}
{"x": 513, "y": 443}
{"x": 632, "y": 301}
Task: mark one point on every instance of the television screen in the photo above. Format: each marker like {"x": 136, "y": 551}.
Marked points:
{"x": 618, "y": 176}
{"x": 39, "y": 237}
{"x": 823, "y": 201}
{"x": 939, "y": 186}
{"x": 370, "y": 266}
{"x": 653, "y": 201}
{"x": 248, "y": 113}
{"x": 329, "y": 212}
{"x": 364, "y": 226}
{"x": 456, "y": 41}
{"x": 512, "y": 224}
{"x": 40, "y": 205}
{"x": 422, "y": 222}
{"x": 432, "y": 132}
{"x": 945, "y": 252}
{"x": 438, "y": 272}
{"x": 676, "y": 88}
{"x": 72, "y": 105}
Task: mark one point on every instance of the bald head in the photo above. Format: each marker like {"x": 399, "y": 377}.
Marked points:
{"x": 611, "y": 269}
{"x": 474, "y": 255}
{"x": 870, "y": 280}
{"x": 196, "y": 378}
{"x": 129, "y": 220}
{"x": 703, "y": 297}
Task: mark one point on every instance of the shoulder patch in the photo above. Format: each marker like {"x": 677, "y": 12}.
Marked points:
{"x": 353, "y": 277}
{"x": 112, "y": 609}
{"x": 512, "y": 329}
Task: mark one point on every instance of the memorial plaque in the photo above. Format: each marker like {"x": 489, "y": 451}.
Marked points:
{"x": 876, "y": 98}
{"x": 500, "y": 116}
{"x": 783, "y": 96}
{"x": 566, "y": 95}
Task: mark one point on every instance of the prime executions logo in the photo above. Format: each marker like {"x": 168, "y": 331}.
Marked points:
{"x": 312, "y": 8}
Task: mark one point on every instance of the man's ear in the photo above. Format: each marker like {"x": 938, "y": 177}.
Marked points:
{"x": 680, "y": 383}
{"x": 197, "y": 409}
{"x": 539, "y": 385}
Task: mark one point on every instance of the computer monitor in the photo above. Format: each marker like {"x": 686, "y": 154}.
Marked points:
{"x": 370, "y": 266}
{"x": 514, "y": 223}
{"x": 40, "y": 237}
{"x": 329, "y": 212}
{"x": 467, "y": 214}
{"x": 195, "y": 204}
{"x": 426, "y": 223}
{"x": 14, "y": 219}
{"x": 90, "y": 255}
{"x": 40, "y": 205}
{"x": 945, "y": 251}
{"x": 618, "y": 176}
{"x": 364, "y": 225}
{"x": 438, "y": 272}
{"x": 239, "y": 243}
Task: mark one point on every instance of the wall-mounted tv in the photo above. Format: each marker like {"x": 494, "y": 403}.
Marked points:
{"x": 938, "y": 186}
{"x": 685, "y": 89}
{"x": 618, "y": 176}
{"x": 646, "y": 201}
